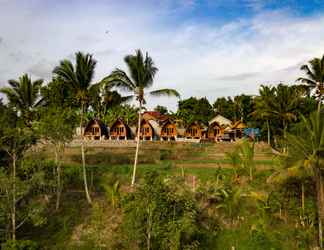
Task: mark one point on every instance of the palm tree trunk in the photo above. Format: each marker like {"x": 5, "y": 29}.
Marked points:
{"x": 319, "y": 103}
{"x": 137, "y": 143}
{"x": 83, "y": 159}
{"x": 13, "y": 212}
{"x": 285, "y": 149}
{"x": 319, "y": 190}
{"x": 268, "y": 127}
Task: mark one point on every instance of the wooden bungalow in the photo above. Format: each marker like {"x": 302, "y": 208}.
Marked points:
{"x": 194, "y": 131}
{"x": 168, "y": 131}
{"x": 147, "y": 131}
{"x": 119, "y": 130}
{"x": 215, "y": 131}
{"x": 238, "y": 129}
{"x": 95, "y": 130}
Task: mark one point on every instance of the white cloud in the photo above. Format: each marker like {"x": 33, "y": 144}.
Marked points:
{"x": 196, "y": 58}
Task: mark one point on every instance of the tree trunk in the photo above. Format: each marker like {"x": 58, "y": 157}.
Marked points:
{"x": 268, "y": 127}
{"x": 319, "y": 103}
{"x": 137, "y": 143}
{"x": 13, "y": 212}
{"x": 303, "y": 198}
{"x": 285, "y": 149}
{"x": 58, "y": 176}
{"x": 319, "y": 191}
{"x": 83, "y": 159}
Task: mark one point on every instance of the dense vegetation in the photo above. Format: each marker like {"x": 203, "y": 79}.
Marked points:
{"x": 232, "y": 196}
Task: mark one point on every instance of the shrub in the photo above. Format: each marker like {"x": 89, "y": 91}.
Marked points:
{"x": 162, "y": 214}
{"x": 20, "y": 245}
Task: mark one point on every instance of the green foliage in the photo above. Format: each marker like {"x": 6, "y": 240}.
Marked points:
{"x": 142, "y": 71}
{"x": 243, "y": 107}
{"x": 225, "y": 107}
{"x": 314, "y": 79}
{"x": 158, "y": 216}
{"x": 247, "y": 156}
{"x": 126, "y": 112}
{"x": 56, "y": 125}
{"x": 193, "y": 109}
{"x": 24, "y": 95}
{"x": 20, "y": 245}
{"x": 58, "y": 94}
{"x": 161, "y": 109}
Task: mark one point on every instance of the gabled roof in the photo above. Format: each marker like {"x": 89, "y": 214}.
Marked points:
{"x": 154, "y": 115}
{"x": 103, "y": 127}
{"x": 119, "y": 120}
{"x": 239, "y": 125}
{"x": 199, "y": 124}
{"x": 221, "y": 120}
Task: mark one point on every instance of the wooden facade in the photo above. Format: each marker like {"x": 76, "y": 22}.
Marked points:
{"x": 238, "y": 129}
{"x": 168, "y": 131}
{"x": 95, "y": 130}
{"x": 119, "y": 131}
{"x": 215, "y": 131}
{"x": 193, "y": 131}
{"x": 147, "y": 131}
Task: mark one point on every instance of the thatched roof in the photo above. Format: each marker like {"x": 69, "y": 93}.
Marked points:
{"x": 221, "y": 120}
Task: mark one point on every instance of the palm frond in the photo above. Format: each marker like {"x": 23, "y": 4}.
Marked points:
{"x": 165, "y": 92}
{"x": 128, "y": 98}
{"x": 119, "y": 79}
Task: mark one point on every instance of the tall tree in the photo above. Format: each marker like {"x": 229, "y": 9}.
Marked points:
{"x": 263, "y": 104}
{"x": 306, "y": 148}
{"x": 225, "y": 107}
{"x": 24, "y": 95}
{"x": 195, "y": 109}
{"x": 103, "y": 98}
{"x": 141, "y": 75}
{"x": 243, "y": 106}
{"x": 314, "y": 79}
{"x": 56, "y": 126}
{"x": 15, "y": 140}
{"x": 57, "y": 93}
{"x": 79, "y": 77}
{"x": 285, "y": 105}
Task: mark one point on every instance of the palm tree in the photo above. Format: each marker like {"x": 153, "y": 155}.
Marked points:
{"x": 263, "y": 105}
{"x": 24, "y": 95}
{"x": 307, "y": 149}
{"x": 314, "y": 79}
{"x": 79, "y": 77}
{"x": 142, "y": 71}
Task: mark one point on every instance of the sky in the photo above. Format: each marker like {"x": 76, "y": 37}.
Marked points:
{"x": 202, "y": 48}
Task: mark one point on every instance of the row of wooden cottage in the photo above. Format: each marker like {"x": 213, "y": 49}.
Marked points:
{"x": 155, "y": 126}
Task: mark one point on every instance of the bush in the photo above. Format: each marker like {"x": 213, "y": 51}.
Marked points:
{"x": 20, "y": 245}
{"x": 163, "y": 214}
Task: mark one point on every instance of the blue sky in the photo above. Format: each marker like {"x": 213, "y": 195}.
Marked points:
{"x": 203, "y": 48}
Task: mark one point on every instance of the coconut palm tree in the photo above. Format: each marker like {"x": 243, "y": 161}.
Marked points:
{"x": 24, "y": 95}
{"x": 306, "y": 149}
{"x": 285, "y": 104}
{"x": 314, "y": 79}
{"x": 263, "y": 105}
{"x": 79, "y": 77}
{"x": 141, "y": 75}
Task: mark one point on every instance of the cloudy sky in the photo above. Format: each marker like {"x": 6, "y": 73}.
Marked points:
{"x": 202, "y": 48}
